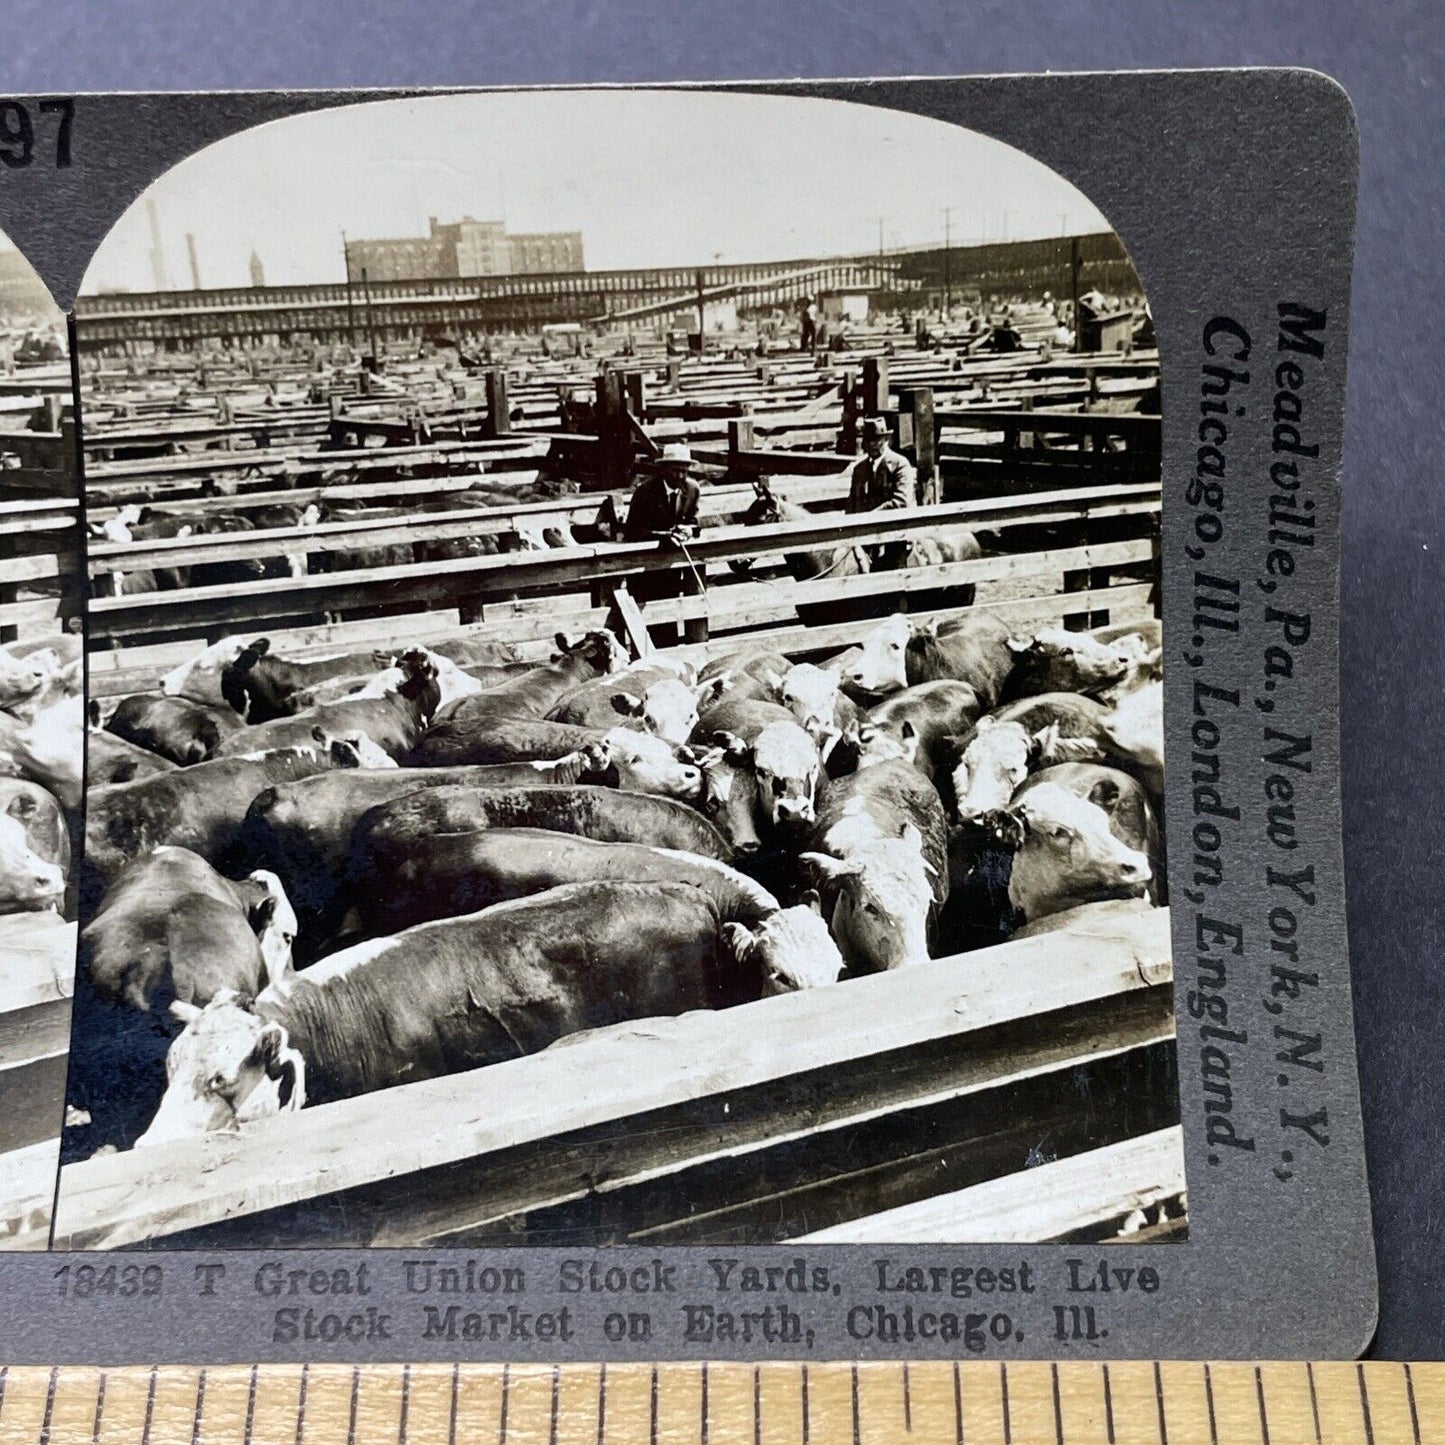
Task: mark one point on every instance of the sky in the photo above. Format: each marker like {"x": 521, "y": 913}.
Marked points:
{"x": 654, "y": 178}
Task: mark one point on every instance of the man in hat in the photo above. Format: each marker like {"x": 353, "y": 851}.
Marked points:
{"x": 664, "y": 505}
{"x": 882, "y": 480}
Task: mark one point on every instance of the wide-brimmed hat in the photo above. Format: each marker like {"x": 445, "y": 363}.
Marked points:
{"x": 675, "y": 454}
{"x": 875, "y": 428}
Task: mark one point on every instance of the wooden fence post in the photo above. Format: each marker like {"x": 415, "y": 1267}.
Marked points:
{"x": 613, "y": 433}
{"x": 875, "y": 385}
{"x": 917, "y": 406}
{"x": 741, "y": 436}
{"x": 499, "y": 417}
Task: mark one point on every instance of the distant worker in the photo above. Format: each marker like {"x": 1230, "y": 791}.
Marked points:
{"x": 883, "y": 480}
{"x": 808, "y": 340}
{"x": 664, "y": 505}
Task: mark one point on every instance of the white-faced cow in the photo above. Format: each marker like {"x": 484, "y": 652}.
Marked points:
{"x": 880, "y": 848}
{"x": 34, "y": 848}
{"x": 783, "y": 757}
{"x": 462, "y": 993}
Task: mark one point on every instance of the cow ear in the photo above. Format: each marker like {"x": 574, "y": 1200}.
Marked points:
{"x": 187, "y": 1013}
{"x": 21, "y": 806}
{"x": 261, "y": 646}
{"x": 908, "y": 731}
{"x": 773, "y": 679}
{"x": 262, "y": 913}
{"x": 734, "y": 748}
{"x": 831, "y": 868}
{"x": 739, "y": 939}
{"x": 811, "y": 899}
{"x": 561, "y": 641}
{"x": 1104, "y": 793}
{"x": 1019, "y": 644}
{"x": 626, "y": 704}
{"x": 318, "y": 734}
{"x": 93, "y": 712}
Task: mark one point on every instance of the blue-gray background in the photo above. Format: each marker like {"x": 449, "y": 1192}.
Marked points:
{"x": 1388, "y": 55}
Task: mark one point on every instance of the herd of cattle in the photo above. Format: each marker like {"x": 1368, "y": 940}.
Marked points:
{"x": 42, "y": 739}
{"x": 304, "y": 880}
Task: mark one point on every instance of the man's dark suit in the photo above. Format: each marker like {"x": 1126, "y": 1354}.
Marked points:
{"x": 655, "y": 508}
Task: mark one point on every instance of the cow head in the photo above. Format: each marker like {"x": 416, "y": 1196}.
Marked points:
{"x": 1073, "y": 661}
{"x": 883, "y": 899}
{"x": 22, "y": 678}
{"x": 810, "y": 693}
{"x": 668, "y": 708}
{"x": 785, "y": 762}
{"x": 730, "y": 794}
{"x": 792, "y": 949}
{"x": 882, "y": 665}
{"x": 27, "y": 881}
{"x": 227, "y": 1067}
{"x": 877, "y": 744}
{"x": 1066, "y": 851}
{"x": 274, "y": 923}
{"x": 200, "y": 679}
{"x": 1135, "y": 730}
{"x": 995, "y": 762}
{"x": 647, "y": 764}
{"x": 601, "y": 651}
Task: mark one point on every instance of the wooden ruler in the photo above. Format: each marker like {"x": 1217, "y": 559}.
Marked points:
{"x": 974, "y": 1403}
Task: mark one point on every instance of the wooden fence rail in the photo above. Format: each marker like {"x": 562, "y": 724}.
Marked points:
{"x": 399, "y": 1138}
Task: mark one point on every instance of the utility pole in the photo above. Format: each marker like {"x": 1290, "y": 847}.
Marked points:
{"x": 350, "y": 303}
{"x": 701, "y": 316}
{"x": 947, "y": 261}
{"x": 370, "y": 321}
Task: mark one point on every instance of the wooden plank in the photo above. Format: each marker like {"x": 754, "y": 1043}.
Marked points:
{"x": 457, "y": 1203}
{"x": 39, "y": 954}
{"x": 602, "y": 1076}
{"x": 1038, "y": 1206}
{"x": 420, "y": 583}
{"x": 27, "y": 1189}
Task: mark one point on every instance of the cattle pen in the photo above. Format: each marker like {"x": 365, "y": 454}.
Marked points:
{"x": 1027, "y": 1090}
{"x": 41, "y": 590}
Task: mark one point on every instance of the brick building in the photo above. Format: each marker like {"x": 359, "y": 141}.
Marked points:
{"x": 464, "y": 248}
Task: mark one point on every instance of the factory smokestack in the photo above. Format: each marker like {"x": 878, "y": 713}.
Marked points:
{"x": 158, "y": 255}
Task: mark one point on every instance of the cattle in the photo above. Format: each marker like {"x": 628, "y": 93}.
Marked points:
{"x": 757, "y": 662}
{"x": 783, "y": 757}
{"x": 263, "y": 688}
{"x": 534, "y": 693}
{"x": 175, "y": 728}
{"x": 652, "y": 698}
{"x": 1055, "y": 660}
{"x": 769, "y": 509}
{"x": 456, "y": 995}
{"x": 880, "y": 850}
{"x": 973, "y": 648}
{"x": 475, "y": 651}
{"x": 812, "y": 695}
{"x": 22, "y": 679}
{"x": 199, "y": 677}
{"x": 48, "y": 748}
{"x": 455, "y": 742}
{"x": 452, "y": 682}
{"x": 34, "y": 848}
{"x": 170, "y": 926}
{"x": 929, "y": 712}
{"x": 302, "y": 830}
{"x": 729, "y": 796}
{"x": 1064, "y": 826}
{"x": 394, "y": 722}
{"x": 109, "y": 759}
{"x": 1133, "y": 735}
{"x": 447, "y": 874}
{"x": 200, "y": 807}
{"x": 609, "y": 815}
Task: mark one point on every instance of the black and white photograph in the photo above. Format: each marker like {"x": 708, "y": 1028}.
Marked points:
{"x": 625, "y": 696}
{"x": 42, "y": 738}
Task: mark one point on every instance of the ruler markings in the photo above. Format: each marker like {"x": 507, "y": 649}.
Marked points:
{"x": 1409, "y": 1394}
{"x": 99, "y": 1410}
{"x": 201, "y": 1410}
{"x": 1365, "y": 1405}
{"x": 1068, "y": 1403}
